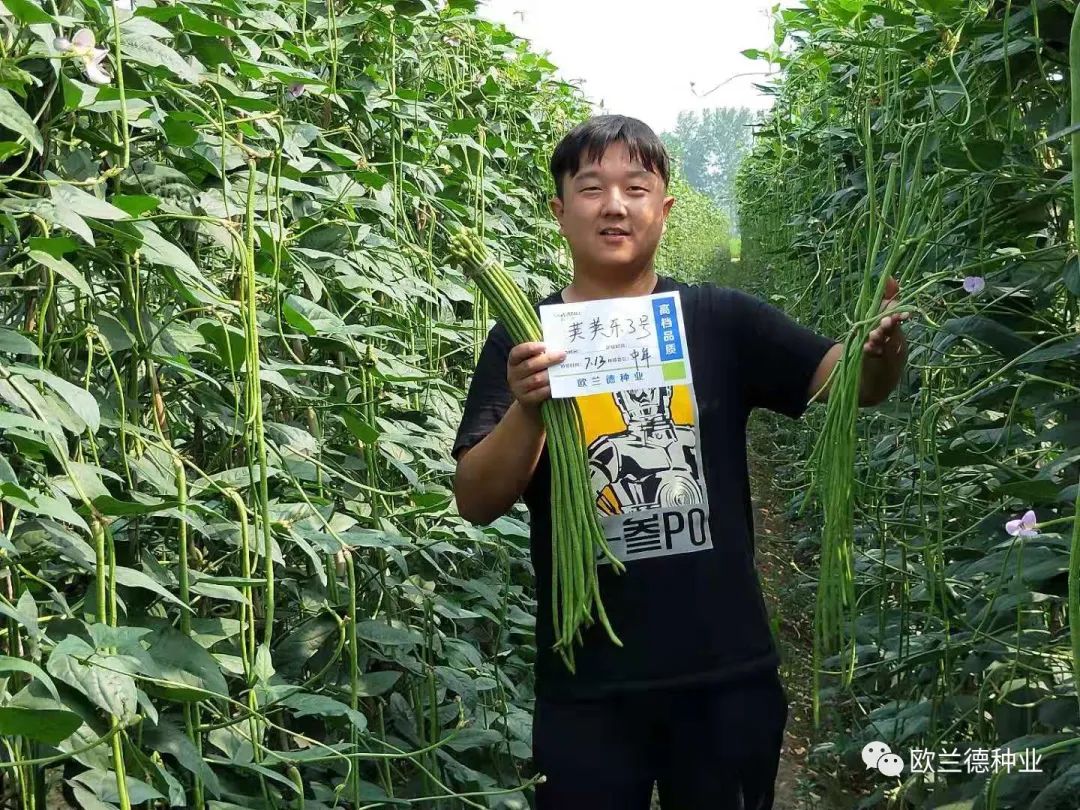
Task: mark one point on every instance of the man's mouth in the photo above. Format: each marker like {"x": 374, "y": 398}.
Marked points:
{"x": 614, "y": 234}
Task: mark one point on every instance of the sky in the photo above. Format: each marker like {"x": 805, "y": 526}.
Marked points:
{"x": 640, "y": 57}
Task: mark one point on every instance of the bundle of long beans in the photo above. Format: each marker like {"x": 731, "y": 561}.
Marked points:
{"x": 900, "y": 250}
{"x": 576, "y": 536}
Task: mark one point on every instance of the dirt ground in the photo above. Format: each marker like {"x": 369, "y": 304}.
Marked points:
{"x": 794, "y": 610}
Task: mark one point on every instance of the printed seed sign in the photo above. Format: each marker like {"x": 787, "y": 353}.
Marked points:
{"x": 617, "y": 344}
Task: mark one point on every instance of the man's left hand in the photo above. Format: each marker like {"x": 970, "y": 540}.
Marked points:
{"x": 887, "y": 335}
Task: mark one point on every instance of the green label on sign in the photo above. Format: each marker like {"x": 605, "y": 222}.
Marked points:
{"x": 674, "y": 370}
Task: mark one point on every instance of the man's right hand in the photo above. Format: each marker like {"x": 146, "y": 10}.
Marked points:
{"x": 495, "y": 472}
{"x": 527, "y": 374}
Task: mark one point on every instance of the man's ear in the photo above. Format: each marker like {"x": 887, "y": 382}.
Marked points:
{"x": 668, "y": 202}
{"x": 556, "y": 206}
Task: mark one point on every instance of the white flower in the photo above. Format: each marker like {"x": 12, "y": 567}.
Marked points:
{"x": 83, "y": 45}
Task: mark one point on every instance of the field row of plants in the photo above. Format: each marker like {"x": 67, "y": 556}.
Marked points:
{"x": 233, "y": 350}
{"x": 931, "y": 140}
{"x": 232, "y": 354}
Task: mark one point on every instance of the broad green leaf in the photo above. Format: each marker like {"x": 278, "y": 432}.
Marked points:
{"x": 214, "y": 591}
{"x": 9, "y": 664}
{"x": 63, "y": 268}
{"x": 103, "y": 679}
{"x": 73, "y": 222}
{"x": 237, "y": 478}
{"x": 135, "y": 204}
{"x": 14, "y": 343}
{"x": 78, "y": 95}
{"x": 70, "y": 198}
{"x": 86, "y": 799}
{"x": 379, "y": 632}
{"x": 183, "y": 661}
{"x": 304, "y": 705}
{"x": 229, "y": 341}
{"x": 15, "y": 118}
{"x": 55, "y": 246}
{"x": 10, "y": 149}
{"x": 310, "y": 318}
{"x": 264, "y": 665}
{"x": 103, "y": 785}
{"x": 114, "y": 333}
{"x": 48, "y": 506}
{"x": 108, "y": 505}
{"x": 466, "y": 738}
{"x": 149, "y": 51}
{"x": 1068, "y": 348}
{"x": 143, "y": 27}
{"x": 168, "y": 739}
{"x": 373, "y": 684}
{"x": 160, "y": 250}
{"x": 28, "y": 12}
{"x": 1035, "y": 490}
{"x": 307, "y": 639}
{"x": 993, "y": 334}
{"x": 179, "y": 132}
{"x": 1060, "y": 793}
{"x": 359, "y": 427}
{"x": 81, "y": 401}
{"x": 49, "y": 726}
{"x": 131, "y": 578}
{"x": 83, "y": 480}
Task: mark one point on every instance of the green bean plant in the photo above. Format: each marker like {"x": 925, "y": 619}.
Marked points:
{"x": 233, "y": 351}
{"x": 932, "y": 142}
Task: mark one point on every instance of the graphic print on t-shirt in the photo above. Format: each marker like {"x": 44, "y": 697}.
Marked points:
{"x": 645, "y": 463}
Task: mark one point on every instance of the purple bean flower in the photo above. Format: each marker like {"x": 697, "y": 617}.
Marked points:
{"x": 295, "y": 90}
{"x": 1024, "y": 526}
{"x": 61, "y": 44}
{"x": 974, "y": 284}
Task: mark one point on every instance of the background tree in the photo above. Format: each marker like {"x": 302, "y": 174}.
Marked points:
{"x": 696, "y": 245}
{"x": 709, "y": 148}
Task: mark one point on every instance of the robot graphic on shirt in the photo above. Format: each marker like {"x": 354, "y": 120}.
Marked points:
{"x": 650, "y": 465}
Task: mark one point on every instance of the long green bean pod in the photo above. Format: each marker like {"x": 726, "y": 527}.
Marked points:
{"x": 576, "y": 535}
{"x": 1074, "y": 551}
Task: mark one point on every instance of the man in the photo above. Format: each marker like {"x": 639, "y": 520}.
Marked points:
{"x": 692, "y": 700}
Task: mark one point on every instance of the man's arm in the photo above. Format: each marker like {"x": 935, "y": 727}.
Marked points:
{"x": 492, "y": 474}
{"x": 883, "y": 358}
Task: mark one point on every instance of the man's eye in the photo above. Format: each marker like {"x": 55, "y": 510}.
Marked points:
{"x": 591, "y": 188}
{"x": 641, "y": 188}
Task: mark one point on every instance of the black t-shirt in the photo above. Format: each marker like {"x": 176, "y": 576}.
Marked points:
{"x": 670, "y": 473}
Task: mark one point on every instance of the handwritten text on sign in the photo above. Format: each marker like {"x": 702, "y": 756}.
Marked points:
{"x": 616, "y": 344}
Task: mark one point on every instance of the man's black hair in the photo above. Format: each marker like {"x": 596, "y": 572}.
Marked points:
{"x": 592, "y": 138}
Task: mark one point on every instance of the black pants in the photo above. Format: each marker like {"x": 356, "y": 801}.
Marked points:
{"x": 714, "y": 747}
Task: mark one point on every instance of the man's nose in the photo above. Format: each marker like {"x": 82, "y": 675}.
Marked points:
{"x": 614, "y": 205}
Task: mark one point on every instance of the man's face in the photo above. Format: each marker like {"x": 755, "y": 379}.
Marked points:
{"x": 612, "y": 193}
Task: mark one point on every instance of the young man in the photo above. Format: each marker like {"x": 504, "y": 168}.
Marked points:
{"x": 692, "y": 700}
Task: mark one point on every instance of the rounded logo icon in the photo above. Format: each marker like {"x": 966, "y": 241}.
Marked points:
{"x": 891, "y": 765}
{"x": 874, "y": 751}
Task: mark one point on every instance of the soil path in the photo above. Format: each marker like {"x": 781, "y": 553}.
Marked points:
{"x": 792, "y": 610}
